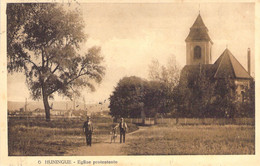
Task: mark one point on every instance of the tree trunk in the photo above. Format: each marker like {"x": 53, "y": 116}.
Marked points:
{"x": 46, "y": 107}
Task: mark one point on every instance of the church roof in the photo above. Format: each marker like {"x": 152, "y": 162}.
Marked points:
{"x": 225, "y": 66}
{"x": 228, "y": 66}
{"x": 199, "y": 23}
{"x": 198, "y": 31}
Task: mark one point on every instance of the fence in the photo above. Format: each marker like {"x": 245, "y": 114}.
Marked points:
{"x": 207, "y": 121}
{"x": 151, "y": 121}
{"x": 194, "y": 121}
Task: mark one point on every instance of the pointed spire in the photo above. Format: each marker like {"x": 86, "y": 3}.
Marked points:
{"x": 199, "y": 23}
{"x": 198, "y": 31}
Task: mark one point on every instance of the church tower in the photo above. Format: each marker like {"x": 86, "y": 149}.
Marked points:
{"x": 198, "y": 44}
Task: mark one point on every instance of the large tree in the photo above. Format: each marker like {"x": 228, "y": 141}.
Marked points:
{"x": 168, "y": 74}
{"x": 226, "y": 102}
{"x": 247, "y": 106}
{"x": 157, "y": 99}
{"x": 200, "y": 95}
{"x": 44, "y": 42}
{"x": 127, "y": 100}
{"x": 195, "y": 92}
{"x": 134, "y": 96}
{"x": 165, "y": 79}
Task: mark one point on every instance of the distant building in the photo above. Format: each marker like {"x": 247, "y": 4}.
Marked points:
{"x": 38, "y": 112}
{"x": 199, "y": 58}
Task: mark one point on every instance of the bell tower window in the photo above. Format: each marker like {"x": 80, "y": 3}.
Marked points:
{"x": 197, "y": 52}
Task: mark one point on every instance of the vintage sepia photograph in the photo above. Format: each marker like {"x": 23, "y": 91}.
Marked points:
{"x": 128, "y": 79}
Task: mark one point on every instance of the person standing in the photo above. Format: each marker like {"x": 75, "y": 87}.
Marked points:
{"x": 88, "y": 130}
{"x": 122, "y": 127}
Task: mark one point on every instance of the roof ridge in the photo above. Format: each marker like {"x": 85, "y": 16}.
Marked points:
{"x": 230, "y": 54}
{"x": 237, "y": 63}
{"x": 226, "y": 61}
{"x": 199, "y": 23}
{"x": 221, "y": 56}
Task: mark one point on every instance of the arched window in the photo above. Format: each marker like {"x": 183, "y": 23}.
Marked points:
{"x": 197, "y": 52}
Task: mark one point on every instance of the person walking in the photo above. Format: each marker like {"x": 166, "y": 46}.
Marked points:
{"x": 88, "y": 130}
{"x": 122, "y": 127}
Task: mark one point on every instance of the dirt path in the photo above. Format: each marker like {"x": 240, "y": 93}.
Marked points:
{"x": 101, "y": 149}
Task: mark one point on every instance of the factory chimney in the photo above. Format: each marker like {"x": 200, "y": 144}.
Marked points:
{"x": 248, "y": 61}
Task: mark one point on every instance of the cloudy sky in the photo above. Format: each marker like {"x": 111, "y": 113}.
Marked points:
{"x": 132, "y": 35}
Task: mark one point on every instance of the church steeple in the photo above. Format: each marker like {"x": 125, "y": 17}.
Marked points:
{"x": 198, "y": 31}
{"x": 198, "y": 23}
{"x": 198, "y": 44}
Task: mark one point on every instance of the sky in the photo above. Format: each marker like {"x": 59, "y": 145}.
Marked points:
{"x": 131, "y": 35}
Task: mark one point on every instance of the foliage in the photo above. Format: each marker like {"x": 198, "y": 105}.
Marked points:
{"x": 164, "y": 80}
{"x": 194, "y": 94}
{"x": 168, "y": 74}
{"x": 247, "y": 107}
{"x": 225, "y": 104}
{"x": 127, "y": 100}
{"x": 198, "y": 95}
{"x": 44, "y": 43}
{"x": 158, "y": 99}
{"x": 132, "y": 95}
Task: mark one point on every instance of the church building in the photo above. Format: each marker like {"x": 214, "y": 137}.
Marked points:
{"x": 199, "y": 58}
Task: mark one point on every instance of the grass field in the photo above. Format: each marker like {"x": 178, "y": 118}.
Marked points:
{"x": 193, "y": 140}
{"x": 40, "y": 138}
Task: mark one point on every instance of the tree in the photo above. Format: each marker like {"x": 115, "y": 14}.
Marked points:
{"x": 168, "y": 74}
{"x": 195, "y": 92}
{"x": 127, "y": 100}
{"x": 226, "y": 102}
{"x": 134, "y": 95}
{"x": 155, "y": 70}
{"x": 165, "y": 78}
{"x": 44, "y": 42}
{"x": 202, "y": 95}
{"x": 247, "y": 107}
{"x": 157, "y": 99}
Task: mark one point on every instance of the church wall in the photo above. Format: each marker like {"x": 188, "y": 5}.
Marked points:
{"x": 188, "y": 60}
